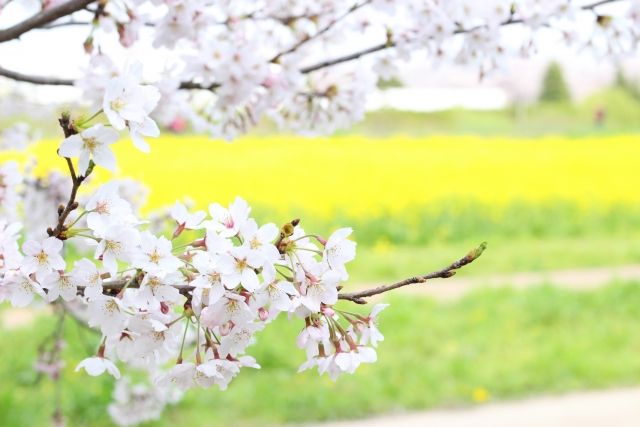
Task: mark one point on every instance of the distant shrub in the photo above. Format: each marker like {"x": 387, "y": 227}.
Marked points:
{"x": 631, "y": 87}
{"x": 554, "y": 86}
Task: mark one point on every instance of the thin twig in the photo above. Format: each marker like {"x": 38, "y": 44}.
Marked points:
{"x": 320, "y": 32}
{"x": 76, "y": 182}
{"x": 359, "y": 297}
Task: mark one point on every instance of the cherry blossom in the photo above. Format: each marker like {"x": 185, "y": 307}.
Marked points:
{"x": 117, "y": 243}
{"x": 42, "y": 258}
{"x": 154, "y": 255}
{"x": 22, "y": 289}
{"x": 95, "y": 366}
{"x": 128, "y": 103}
{"x": 91, "y": 144}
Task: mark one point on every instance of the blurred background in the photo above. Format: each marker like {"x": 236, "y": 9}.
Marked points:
{"x": 540, "y": 160}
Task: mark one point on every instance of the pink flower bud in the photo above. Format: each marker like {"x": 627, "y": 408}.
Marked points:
{"x": 327, "y": 311}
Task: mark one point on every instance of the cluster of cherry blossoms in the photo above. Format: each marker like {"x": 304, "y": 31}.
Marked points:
{"x": 307, "y": 65}
{"x": 232, "y": 281}
{"x": 182, "y": 304}
{"x": 246, "y": 60}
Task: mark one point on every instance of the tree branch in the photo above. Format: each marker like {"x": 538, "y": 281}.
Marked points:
{"x": 190, "y": 85}
{"x": 20, "y": 77}
{"x": 114, "y": 287}
{"x": 76, "y": 181}
{"x": 320, "y": 32}
{"x": 42, "y": 18}
{"x": 390, "y": 44}
{"x": 359, "y": 297}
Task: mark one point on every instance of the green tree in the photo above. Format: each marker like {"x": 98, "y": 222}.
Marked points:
{"x": 628, "y": 85}
{"x": 554, "y": 86}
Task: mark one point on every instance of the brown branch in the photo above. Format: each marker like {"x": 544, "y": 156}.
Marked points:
{"x": 115, "y": 286}
{"x": 359, "y": 297}
{"x": 320, "y": 32}
{"x": 38, "y": 80}
{"x": 76, "y": 181}
{"x": 42, "y": 18}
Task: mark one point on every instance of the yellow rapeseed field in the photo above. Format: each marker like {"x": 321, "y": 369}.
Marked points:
{"x": 361, "y": 175}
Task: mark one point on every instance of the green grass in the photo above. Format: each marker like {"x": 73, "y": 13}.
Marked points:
{"x": 509, "y": 343}
{"x": 457, "y": 221}
{"x": 621, "y": 110}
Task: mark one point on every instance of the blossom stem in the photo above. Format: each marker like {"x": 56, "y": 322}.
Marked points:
{"x": 84, "y": 122}
{"x": 77, "y": 219}
{"x": 184, "y": 337}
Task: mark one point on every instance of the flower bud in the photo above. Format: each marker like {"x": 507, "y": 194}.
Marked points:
{"x": 88, "y": 45}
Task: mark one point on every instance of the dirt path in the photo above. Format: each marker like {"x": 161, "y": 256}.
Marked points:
{"x": 611, "y": 408}
{"x": 577, "y": 279}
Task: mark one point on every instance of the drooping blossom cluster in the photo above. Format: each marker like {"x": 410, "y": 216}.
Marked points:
{"x": 184, "y": 304}
{"x": 308, "y": 65}
{"x": 221, "y": 287}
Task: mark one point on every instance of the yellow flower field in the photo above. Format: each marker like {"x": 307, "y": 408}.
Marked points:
{"x": 361, "y": 176}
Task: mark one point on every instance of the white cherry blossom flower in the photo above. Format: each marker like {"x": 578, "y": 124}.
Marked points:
{"x": 231, "y": 307}
{"x": 95, "y": 366}
{"x": 91, "y": 144}
{"x": 86, "y": 273}
{"x": 128, "y": 103}
{"x": 154, "y": 255}
{"x": 22, "y": 289}
{"x": 117, "y": 243}
{"x": 238, "y": 339}
{"x": 108, "y": 314}
{"x": 181, "y": 376}
{"x": 42, "y": 258}
{"x": 349, "y": 361}
{"x": 227, "y": 222}
{"x": 10, "y": 255}
{"x": 241, "y": 266}
{"x": 339, "y": 250}
{"x": 186, "y": 220}
{"x": 155, "y": 290}
{"x": 370, "y": 334}
{"x": 217, "y": 244}
{"x": 315, "y": 291}
{"x": 60, "y": 285}
{"x": 208, "y": 284}
{"x": 106, "y": 208}
{"x": 260, "y": 240}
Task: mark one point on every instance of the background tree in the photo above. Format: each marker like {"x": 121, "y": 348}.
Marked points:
{"x": 554, "y": 86}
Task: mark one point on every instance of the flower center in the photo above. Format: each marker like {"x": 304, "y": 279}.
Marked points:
{"x": 102, "y": 207}
{"x": 111, "y": 306}
{"x": 241, "y": 264}
{"x": 255, "y": 243}
{"x": 155, "y": 257}
{"x": 117, "y": 104}
{"x": 42, "y": 258}
{"x": 113, "y": 246}
{"x": 90, "y": 143}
